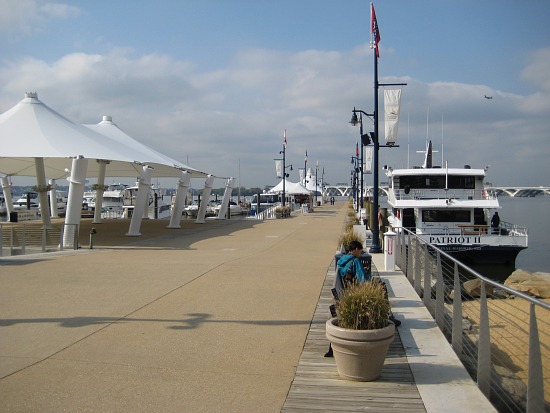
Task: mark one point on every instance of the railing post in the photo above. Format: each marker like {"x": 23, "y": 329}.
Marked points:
{"x": 427, "y": 282}
{"x": 535, "y": 378}
{"x": 440, "y": 296}
{"x": 484, "y": 346}
{"x": 410, "y": 268}
{"x": 44, "y": 235}
{"x": 417, "y": 267}
{"x": 24, "y": 239}
{"x": 457, "y": 314}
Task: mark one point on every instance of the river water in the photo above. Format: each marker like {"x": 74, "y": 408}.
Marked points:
{"x": 530, "y": 213}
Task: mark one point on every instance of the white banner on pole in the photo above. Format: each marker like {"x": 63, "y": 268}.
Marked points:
{"x": 368, "y": 159}
{"x": 302, "y": 175}
{"x": 392, "y": 100}
{"x": 279, "y": 168}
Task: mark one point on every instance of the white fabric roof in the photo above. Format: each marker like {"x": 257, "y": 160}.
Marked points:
{"x": 110, "y": 129}
{"x": 291, "y": 188}
{"x": 31, "y": 129}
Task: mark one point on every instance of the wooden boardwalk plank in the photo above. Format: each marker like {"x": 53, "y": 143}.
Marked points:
{"x": 317, "y": 387}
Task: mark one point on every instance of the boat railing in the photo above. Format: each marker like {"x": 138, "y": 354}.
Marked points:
{"x": 501, "y": 335}
{"x": 425, "y": 193}
{"x": 505, "y": 229}
{"x": 22, "y": 238}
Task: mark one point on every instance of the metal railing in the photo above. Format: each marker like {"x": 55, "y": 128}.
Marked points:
{"x": 501, "y": 335}
{"x": 268, "y": 213}
{"x": 31, "y": 238}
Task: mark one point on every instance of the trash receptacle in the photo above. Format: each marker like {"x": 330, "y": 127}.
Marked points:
{"x": 13, "y": 216}
{"x": 365, "y": 258}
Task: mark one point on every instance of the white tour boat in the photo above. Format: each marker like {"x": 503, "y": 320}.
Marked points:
{"x": 450, "y": 208}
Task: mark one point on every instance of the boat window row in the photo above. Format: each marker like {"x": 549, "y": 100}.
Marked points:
{"x": 435, "y": 182}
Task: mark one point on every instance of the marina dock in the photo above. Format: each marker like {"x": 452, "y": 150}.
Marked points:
{"x": 226, "y": 316}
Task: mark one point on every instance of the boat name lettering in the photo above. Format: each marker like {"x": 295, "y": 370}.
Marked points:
{"x": 456, "y": 239}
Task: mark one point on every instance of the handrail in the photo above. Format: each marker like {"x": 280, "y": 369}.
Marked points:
{"x": 500, "y": 334}
{"x": 25, "y": 238}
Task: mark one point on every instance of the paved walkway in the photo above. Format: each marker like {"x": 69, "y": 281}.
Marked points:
{"x": 208, "y": 318}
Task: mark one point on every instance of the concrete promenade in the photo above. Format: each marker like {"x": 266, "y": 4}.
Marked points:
{"x": 211, "y": 317}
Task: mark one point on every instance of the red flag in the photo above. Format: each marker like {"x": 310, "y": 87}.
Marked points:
{"x": 374, "y": 29}
{"x": 284, "y": 139}
{"x": 356, "y": 149}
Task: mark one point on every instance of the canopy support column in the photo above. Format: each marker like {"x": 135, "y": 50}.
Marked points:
{"x": 205, "y": 197}
{"x": 144, "y": 184}
{"x": 100, "y": 189}
{"x": 42, "y": 194}
{"x": 226, "y": 198}
{"x": 74, "y": 202}
{"x": 54, "y": 213}
{"x": 183, "y": 186}
{"x": 7, "y": 195}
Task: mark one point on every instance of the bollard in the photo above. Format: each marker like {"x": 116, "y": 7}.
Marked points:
{"x": 92, "y": 233}
{"x": 389, "y": 250}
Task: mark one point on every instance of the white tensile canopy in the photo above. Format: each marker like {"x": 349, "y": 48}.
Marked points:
{"x": 32, "y": 130}
{"x": 110, "y": 129}
{"x": 40, "y": 142}
{"x": 291, "y": 188}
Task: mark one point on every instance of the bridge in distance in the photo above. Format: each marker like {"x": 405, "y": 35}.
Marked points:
{"x": 512, "y": 191}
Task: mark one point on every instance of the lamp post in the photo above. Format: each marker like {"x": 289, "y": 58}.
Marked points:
{"x": 285, "y": 175}
{"x": 375, "y": 246}
{"x": 316, "y": 179}
{"x": 354, "y": 185}
{"x": 365, "y": 139}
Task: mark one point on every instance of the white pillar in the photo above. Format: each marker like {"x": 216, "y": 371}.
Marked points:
{"x": 205, "y": 197}
{"x": 183, "y": 186}
{"x": 74, "y": 201}
{"x": 42, "y": 195}
{"x": 99, "y": 191}
{"x": 226, "y": 198}
{"x": 144, "y": 184}
{"x": 389, "y": 250}
{"x": 7, "y": 195}
{"x": 53, "y": 199}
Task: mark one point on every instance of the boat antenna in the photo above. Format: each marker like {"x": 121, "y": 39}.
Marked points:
{"x": 442, "y": 150}
{"x": 408, "y": 141}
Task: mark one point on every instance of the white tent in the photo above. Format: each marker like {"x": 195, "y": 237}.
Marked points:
{"x": 32, "y": 130}
{"x": 291, "y": 188}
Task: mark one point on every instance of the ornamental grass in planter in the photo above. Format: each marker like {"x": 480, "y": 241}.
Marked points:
{"x": 362, "y": 333}
{"x": 347, "y": 237}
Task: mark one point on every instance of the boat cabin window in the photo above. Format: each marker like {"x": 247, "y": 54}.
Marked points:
{"x": 445, "y": 215}
{"x": 267, "y": 198}
{"x": 437, "y": 182}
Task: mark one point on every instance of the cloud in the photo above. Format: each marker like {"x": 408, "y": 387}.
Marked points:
{"x": 29, "y": 16}
{"x": 235, "y": 115}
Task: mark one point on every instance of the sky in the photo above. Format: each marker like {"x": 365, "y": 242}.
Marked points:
{"x": 215, "y": 83}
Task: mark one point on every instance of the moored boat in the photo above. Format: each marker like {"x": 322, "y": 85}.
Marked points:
{"x": 451, "y": 209}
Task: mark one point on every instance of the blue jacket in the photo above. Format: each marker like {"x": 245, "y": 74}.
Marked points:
{"x": 349, "y": 262}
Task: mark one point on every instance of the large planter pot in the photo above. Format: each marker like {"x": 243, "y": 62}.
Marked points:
{"x": 359, "y": 354}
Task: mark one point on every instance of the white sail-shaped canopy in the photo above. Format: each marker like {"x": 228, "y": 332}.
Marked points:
{"x": 110, "y": 129}
{"x": 32, "y": 130}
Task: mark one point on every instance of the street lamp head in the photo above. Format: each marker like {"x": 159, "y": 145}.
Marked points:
{"x": 354, "y": 120}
